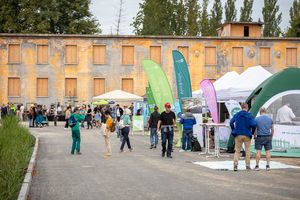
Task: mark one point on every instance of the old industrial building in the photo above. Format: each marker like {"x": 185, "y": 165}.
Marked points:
{"x": 45, "y": 69}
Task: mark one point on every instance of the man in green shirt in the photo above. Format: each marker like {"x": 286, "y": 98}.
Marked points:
{"x": 75, "y": 130}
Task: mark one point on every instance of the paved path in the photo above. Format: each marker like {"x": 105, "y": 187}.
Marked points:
{"x": 143, "y": 173}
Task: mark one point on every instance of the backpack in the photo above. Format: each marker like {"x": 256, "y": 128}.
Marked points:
{"x": 72, "y": 121}
{"x": 113, "y": 127}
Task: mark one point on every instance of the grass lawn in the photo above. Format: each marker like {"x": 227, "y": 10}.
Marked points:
{"x": 16, "y": 146}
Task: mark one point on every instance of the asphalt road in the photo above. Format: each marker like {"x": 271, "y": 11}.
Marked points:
{"x": 144, "y": 174}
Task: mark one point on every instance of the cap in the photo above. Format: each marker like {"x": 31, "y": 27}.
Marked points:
{"x": 167, "y": 105}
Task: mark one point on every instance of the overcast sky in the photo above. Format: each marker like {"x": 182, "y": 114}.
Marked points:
{"x": 106, "y": 12}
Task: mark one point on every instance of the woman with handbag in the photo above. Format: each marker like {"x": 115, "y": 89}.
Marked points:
{"x": 124, "y": 126}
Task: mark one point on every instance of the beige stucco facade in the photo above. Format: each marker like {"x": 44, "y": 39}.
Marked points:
{"x": 56, "y": 70}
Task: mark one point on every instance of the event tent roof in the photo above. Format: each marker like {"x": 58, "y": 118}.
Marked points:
{"x": 221, "y": 83}
{"x": 119, "y": 95}
{"x": 285, "y": 80}
{"x": 241, "y": 87}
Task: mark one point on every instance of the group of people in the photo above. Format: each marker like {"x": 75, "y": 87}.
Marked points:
{"x": 244, "y": 126}
{"x": 12, "y": 109}
{"x": 109, "y": 124}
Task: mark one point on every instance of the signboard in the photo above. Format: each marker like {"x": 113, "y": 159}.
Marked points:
{"x": 138, "y": 123}
{"x": 286, "y": 136}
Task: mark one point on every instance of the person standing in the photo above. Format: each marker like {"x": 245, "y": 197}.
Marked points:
{"x": 285, "y": 115}
{"x": 166, "y": 124}
{"x": 76, "y": 118}
{"x": 243, "y": 127}
{"x": 263, "y": 137}
{"x": 107, "y": 133}
{"x": 153, "y": 121}
{"x": 22, "y": 112}
{"x": 125, "y": 123}
{"x": 67, "y": 116}
{"x": 188, "y": 120}
{"x": 89, "y": 118}
{"x": 119, "y": 112}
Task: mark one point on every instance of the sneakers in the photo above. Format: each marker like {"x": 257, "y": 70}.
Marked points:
{"x": 235, "y": 168}
{"x": 78, "y": 153}
{"x": 131, "y": 149}
{"x": 248, "y": 168}
{"x": 256, "y": 168}
{"x": 154, "y": 146}
{"x": 181, "y": 150}
{"x": 151, "y": 147}
{"x": 189, "y": 150}
{"x": 268, "y": 167}
{"x": 163, "y": 154}
{"x": 169, "y": 156}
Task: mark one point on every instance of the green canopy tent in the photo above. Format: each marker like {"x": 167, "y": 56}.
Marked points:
{"x": 286, "y": 80}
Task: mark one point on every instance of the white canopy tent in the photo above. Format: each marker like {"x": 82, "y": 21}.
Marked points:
{"x": 221, "y": 83}
{"x": 240, "y": 88}
{"x": 119, "y": 96}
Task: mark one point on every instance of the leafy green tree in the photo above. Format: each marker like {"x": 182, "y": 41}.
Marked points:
{"x": 47, "y": 16}
{"x": 294, "y": 29}
{"x": 216, "y": 17}
{"x": 204, "y": 19}
{"x": 230, "y": 11}
{"x": 246, "y": 11}
{"x": 179, "y": 19}
{"x": 272, "y": 18}
{"x": 193, "y": 10}
{"x": 154, "y": 18}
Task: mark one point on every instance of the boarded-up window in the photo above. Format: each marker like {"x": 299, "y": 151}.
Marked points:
{"x": 185, "y": 53}
{"x": 99, "y": 54}
{"x": 14, "y": 54}
{"x": 237, "y": 56}
{"x": 99, "y": 86}
{"x": 264, "y": 56}
{"x": 71, "y": 87}
{"x": 155, "y": 54}
{"x": 71, "y": 54}
{"x": 42, "y": 54}
{"x": 291, "y": 56}
{"x": 127, "y": 55}
{"x": 127, "y": 85}
{"x": 42, "y": 87}
{"x": 13, "y": 87}
{"x": 210, "y": 56}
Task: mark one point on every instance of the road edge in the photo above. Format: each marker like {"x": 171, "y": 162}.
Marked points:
{"x": 24, "y": 192}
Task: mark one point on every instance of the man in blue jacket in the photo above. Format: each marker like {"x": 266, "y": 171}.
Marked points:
{"x": 188, "y": 120}
{"x": 243, "y": 127}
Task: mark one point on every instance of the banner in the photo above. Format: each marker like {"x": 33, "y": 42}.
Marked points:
{"x": 286, "y": 136}
{"x": 210, "y": 96}
{"x": 159, "y": 84}
{"x": 183, "y": 81}
{"x": 137, "y": 123}
{"x": 233, "y": 107}
{"x": 150, "y": 98}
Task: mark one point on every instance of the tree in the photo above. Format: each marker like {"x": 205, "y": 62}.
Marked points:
{"x": 47, "y": 16}
{"x": 179, "y": 15}
{"x": 246, "y": 11}
{"x": 204, "y": 20}
{"x": 154, "y": 18}
{"x": 230, "y": 11}
{"x": 192, "y": 17}
{"x": 272, "y": 18}
{"x": 216, "y": 17}
{"x": 294, "y": 29}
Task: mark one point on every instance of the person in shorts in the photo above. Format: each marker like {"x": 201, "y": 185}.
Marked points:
{"x": 263, "y": 137}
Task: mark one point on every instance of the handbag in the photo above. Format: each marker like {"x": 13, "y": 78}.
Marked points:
{"x": 121, "y": 124}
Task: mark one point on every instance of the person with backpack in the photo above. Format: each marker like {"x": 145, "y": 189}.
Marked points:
{"x": 73, "y": 122}
{"x": 109, "y": 129}
{"x": 124, "y": 126}
{"x": 153, "y": 120}
{"x": 188, "y": 121}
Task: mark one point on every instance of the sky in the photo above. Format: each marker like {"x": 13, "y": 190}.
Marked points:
{"x": 106, "y": 12}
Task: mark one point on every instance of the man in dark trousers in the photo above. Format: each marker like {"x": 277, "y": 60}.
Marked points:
{"x": 153, "y": 121}
{"x": 243, "y": 127}
{"x": 166, "y": 124}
